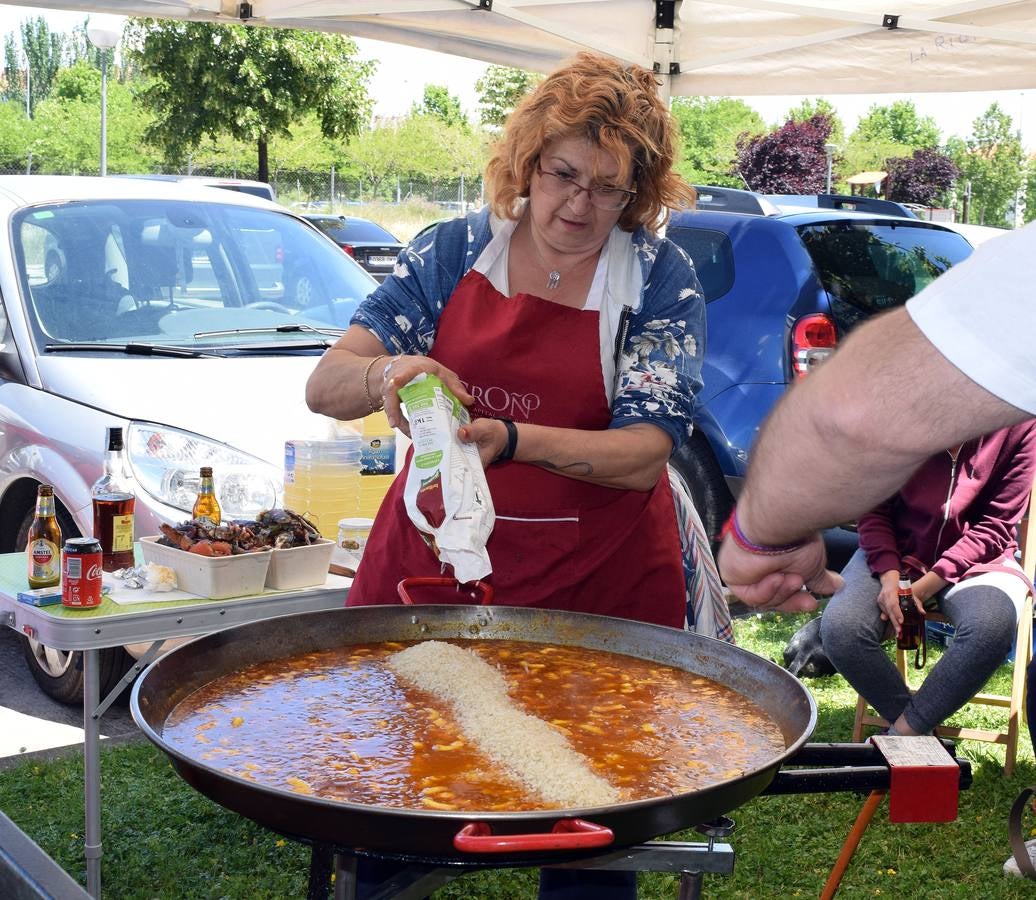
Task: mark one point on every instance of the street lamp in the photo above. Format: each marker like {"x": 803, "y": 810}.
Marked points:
{"x": 103, "y": 32}
{"x": 829, "y": 150}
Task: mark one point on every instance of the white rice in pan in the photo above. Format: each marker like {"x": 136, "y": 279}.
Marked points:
{"x": 529, "y": 749}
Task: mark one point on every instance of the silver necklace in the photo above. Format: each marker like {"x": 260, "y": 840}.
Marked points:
{"x": 553, "y": 275}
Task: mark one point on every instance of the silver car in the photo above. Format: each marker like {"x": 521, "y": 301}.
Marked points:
{"x": 190, "y": 316}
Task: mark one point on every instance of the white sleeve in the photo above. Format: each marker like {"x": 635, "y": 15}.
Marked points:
{"x": 981, "y": 315}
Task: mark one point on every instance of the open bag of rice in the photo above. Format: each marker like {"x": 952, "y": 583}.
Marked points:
{"x": 446, "y": 493}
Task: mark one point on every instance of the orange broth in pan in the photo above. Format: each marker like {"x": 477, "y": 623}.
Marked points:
{"x": 339, "y": 725}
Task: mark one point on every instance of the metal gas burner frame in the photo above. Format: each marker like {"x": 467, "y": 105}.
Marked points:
{"x": 817, "y": 768}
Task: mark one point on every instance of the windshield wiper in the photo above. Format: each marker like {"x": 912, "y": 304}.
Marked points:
{"x": 276, "y": 329}
{"x": 131, "y": 349}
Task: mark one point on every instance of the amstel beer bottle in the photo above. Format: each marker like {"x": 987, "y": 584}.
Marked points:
{"x": 43, "y": 549}
{"x": 113, "y": 504}
{"x": 206, "y": 507}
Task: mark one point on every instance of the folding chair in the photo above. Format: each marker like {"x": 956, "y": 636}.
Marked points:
{"x": 1013, "y": 702}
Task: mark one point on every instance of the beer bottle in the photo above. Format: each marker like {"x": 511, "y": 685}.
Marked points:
{"x": 206, "y": 507}
{"x": 911, "y": 634}
{"x": 113, "y": 504}
{"x": 43, "y": 549}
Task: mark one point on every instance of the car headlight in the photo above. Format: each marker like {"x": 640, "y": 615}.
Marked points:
{"x": 165, "y": 462}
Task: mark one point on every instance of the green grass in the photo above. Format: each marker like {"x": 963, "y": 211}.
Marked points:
{"x": 163, "y": 840}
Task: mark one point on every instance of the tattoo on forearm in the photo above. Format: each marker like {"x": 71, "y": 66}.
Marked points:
{"x": 574, "y": 468}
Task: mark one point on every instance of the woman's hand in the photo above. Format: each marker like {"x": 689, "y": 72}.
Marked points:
{"x": 928, "y": 585}
{"x": 400, "y": 371}
{"x": 489, "y": 435}
{"x": 888, "y": 600}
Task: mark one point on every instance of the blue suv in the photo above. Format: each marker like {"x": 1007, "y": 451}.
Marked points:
{"x": 782, "y": 288}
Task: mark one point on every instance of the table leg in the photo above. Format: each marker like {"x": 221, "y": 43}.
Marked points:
{"x": 92, "y": 768}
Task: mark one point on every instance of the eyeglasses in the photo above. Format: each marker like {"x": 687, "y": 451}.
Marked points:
{"x": 562, "y": 184}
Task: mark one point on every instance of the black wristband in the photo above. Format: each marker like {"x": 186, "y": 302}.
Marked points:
{"x": 512, "y": 441}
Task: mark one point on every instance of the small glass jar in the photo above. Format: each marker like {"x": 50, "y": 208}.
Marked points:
{"x": 352, "y": 538}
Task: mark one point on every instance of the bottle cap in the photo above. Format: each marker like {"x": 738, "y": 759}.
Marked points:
{"x": 206, "y": 471}
{"x": 114, "y": 438}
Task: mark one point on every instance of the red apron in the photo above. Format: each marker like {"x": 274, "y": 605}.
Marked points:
{"x": 557, "y": 543}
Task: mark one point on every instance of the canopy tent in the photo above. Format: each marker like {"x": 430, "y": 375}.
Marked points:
{"x": 699, "y": 47}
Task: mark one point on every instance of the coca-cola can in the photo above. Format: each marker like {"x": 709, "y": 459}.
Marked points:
{"x": 81, "y": 573}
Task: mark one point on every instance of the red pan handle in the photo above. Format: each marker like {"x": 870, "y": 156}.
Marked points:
{"x": 567, "y": 834}
{"x": 403, "y": 588}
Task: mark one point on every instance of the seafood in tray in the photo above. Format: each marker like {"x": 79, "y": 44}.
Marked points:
{"x": 272, "y": 529}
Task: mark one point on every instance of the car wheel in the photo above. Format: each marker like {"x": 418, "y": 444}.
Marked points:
{"x": 59, "y": 673}
{"x": 697, "y": 465}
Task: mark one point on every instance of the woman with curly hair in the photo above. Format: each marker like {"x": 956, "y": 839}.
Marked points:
{"x": 571, "y": 331}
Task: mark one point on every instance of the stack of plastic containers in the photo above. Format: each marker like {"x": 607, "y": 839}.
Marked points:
{"x": 322, "y": 480}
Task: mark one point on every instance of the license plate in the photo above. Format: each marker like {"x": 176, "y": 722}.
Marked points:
{"x": 381, "y": 260}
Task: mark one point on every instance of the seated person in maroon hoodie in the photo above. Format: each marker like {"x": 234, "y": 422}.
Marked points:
{"x": 952, "y": 529}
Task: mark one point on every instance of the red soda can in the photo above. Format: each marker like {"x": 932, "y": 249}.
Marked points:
{"x": 81, "y": 573}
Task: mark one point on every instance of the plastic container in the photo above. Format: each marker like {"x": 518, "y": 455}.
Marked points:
{"x": 299, "y": 567}
{"x": 352, "y": 538}
{"x": 216, "y": 577}
{"x": 377, "y": 463}
{"x": 322, "y": 480}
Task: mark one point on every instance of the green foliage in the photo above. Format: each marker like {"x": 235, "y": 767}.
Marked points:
{"x": 898, "y": 123}
{"x": 250, "y": 83}
{"x": 499, "y": 91}
{"x": 14, "y": 135}
{"x": 13, "y": 88}
{"x": 991, "y": 164}
{"x": 1030, "y": 192}
{"x": 439, "y": 103}
{"x": 43, "y": 49}
{"x": 709, "y": 129}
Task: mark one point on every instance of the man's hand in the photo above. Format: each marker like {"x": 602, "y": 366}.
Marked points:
{"x": 787, "y": 581}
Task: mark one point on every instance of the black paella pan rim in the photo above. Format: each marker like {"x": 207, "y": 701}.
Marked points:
{"x": 430, "y": 833}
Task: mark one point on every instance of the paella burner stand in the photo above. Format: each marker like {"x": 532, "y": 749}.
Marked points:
{"x": 922, "y": 776}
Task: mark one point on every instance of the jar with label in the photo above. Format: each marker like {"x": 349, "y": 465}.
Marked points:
{"x": 43, "y": 548}
{"x": 352, "y": 538}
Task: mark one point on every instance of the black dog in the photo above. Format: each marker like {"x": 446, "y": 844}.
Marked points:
{"x": 804, "y": 656}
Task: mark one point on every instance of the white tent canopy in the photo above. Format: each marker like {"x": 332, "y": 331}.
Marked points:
{"x": 700, "y": 47}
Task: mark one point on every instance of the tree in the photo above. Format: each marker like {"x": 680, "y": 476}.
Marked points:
{"x": 898, "y": 123}
{"x": 926, "y": 177}
{"x": 818, "y": 106}
{"x": 43, "y": 49}
{"x": 709, "y": 130}
{"x": 991, "y": 165}
{"x": 66, "y": 133}
{"x": 790, "y": 160}
{"x": 499, "y": 91}
{"x": 250, "y": 83}
{"x": 441, "y": 104}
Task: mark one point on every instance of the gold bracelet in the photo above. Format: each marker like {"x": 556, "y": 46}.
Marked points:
{"x": 366, "y": 385}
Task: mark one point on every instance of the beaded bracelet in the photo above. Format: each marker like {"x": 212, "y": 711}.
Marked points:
{"x": 733, "y": 528}
{"x": 366, "y": 385}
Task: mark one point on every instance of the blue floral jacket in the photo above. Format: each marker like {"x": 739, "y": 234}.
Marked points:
{"x": 658, "y": 364}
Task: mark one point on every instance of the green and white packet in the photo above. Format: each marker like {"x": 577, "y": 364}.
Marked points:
{"x": 446, "y": 492}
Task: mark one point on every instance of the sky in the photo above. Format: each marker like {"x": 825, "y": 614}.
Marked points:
{"x": 403, "y": 72}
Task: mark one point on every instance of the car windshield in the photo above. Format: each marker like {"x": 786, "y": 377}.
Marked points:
{"x": 165, "y": 272}
{"x": 867, "y": 266}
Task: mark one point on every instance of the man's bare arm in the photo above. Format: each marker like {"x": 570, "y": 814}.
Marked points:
{"x": 842, "y": 441}
{"x": 853, "y": 432}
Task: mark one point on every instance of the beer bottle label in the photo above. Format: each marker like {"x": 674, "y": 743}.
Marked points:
{"x": 44, "y": 561}
{"x": 122, "y": 533}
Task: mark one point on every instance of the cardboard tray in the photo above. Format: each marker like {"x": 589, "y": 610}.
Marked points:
{"x": 216, "y": 577}
{"x": 299, "y": 567}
